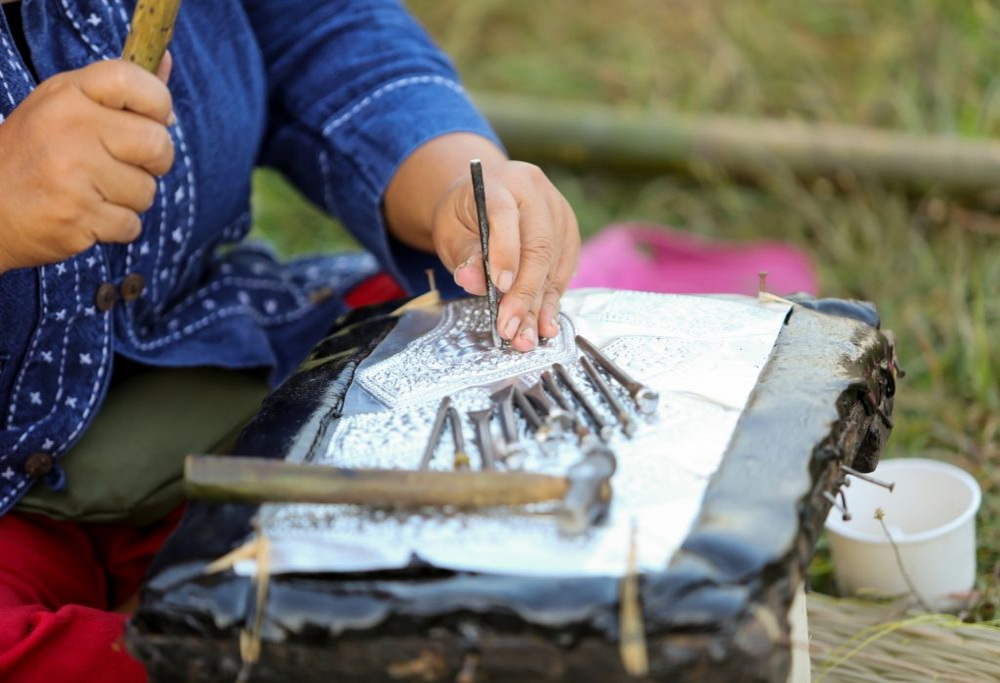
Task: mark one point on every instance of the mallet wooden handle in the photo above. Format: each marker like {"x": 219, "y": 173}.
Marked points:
{"x": 152, "y": 27}
{"x": 258, "y": 480}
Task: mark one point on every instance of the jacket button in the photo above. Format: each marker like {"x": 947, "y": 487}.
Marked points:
{"x": 133, "y": 286}
{"x": 105, "y": 297}
{"x": 38, "y": 465}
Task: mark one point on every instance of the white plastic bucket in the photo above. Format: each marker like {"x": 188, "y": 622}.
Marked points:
{"x": 931, "y": 516}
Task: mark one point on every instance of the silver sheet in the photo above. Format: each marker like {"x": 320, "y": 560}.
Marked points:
{"x": 703, "y": 354}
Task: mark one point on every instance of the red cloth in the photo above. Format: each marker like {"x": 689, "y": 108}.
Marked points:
{"x": 375, "y": 290}
{"x": 57, "y": 581}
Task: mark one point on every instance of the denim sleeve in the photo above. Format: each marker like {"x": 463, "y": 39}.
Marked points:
{"x": 355, "y": 86}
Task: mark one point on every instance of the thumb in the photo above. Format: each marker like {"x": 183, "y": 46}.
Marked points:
{"x": 458, "y": 242}
{"x": 469, "y": 274}
{"x": 456, "y": 239}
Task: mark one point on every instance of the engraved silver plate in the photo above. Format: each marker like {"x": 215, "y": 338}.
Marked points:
{"x": 702, "y": 354}
{"x": 456, "y": 354}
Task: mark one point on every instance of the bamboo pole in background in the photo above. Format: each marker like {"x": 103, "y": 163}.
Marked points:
{"x": 595, "y": 136}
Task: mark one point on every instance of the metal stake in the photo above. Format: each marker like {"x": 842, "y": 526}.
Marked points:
{"x": 870, "y": 479}
{"x": 435, "y": 437}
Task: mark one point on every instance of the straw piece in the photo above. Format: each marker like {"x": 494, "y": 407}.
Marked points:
{"x": 852, "y": 640}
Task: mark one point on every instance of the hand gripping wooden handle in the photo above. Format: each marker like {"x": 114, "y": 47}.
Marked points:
{"x": 152, "y": 27}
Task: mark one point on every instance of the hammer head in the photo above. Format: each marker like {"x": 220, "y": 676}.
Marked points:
{"x": 589, "y": 493}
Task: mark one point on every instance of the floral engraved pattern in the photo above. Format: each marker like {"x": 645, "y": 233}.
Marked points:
{"x": 456, "y": 354}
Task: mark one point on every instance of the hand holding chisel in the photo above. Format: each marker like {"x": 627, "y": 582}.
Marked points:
{"x": 492, "y": 299}
{"x": 533, "y": 241}
{"x": 81, "y": 156}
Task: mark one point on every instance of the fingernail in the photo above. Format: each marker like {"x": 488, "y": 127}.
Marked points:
{"x": 505, "y": 280}
{"x": 551, "y": 321}
{"x": 529, "y": 335}
{"x": 510, "y": 329}
{"x": 458, "y": 270}
{"x": 172, "y": 119}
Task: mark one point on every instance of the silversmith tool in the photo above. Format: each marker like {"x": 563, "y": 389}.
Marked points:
{"x": 261, "y": 480}
{"x": 492, "y": 300}
{"x": 542, "y": 429}
{"x": 580, "y": 428}
{"x": 436, "y": 431}
{"x": 512, "y": 448}
{"x": 594, "y": 375}
{"x": 484, "y": 437}
{"x": 556, "y": 420}
{"x": 461, "y": 456}
{"x": 646, "y": 399}
{"x": 602, "y": 428}
{"x": 531, "y": 415}
{"x": 589, "y": 494}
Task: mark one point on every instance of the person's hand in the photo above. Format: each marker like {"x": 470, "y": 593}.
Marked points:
{"x": 79, "y": 159}
{"x": 534, "y": 245}
{"x": 534, "y": 237}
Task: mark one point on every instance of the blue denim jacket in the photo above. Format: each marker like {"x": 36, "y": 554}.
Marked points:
{"x": 334, "y": 93}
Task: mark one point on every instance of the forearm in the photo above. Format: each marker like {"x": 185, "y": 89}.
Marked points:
{"x": 424, "y": 178}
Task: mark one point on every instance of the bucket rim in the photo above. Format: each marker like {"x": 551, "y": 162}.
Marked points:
{"x": 836, "y": 526}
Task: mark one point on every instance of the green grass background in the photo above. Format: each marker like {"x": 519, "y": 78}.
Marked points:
{"x": 931, "y": 263}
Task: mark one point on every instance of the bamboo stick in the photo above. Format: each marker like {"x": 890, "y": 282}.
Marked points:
{"x": 150, "y": 32}
{"x": 593, "y": 136}
{"x": 257, "y": 480}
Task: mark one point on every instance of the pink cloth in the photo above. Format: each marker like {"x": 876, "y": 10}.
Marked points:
{"x": 651, "y": 258}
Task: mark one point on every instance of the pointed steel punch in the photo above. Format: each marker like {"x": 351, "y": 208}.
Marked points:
{"x": 645, "y": 398}
{"x": 556, "y": 421}
{"x": 580, "y": 428}
{"x": 603, "y": 430}
{"x": 492, "y": 298}
{"x": 513, "y": 451}
{"x": 528, "y": 411}
{"x": 484, "y": 437}
{"x": 461, "y": 456}
{"x": 624, "y": 419}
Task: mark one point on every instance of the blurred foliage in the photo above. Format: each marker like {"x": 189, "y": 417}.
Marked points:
{"x": 931, "y": 263}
